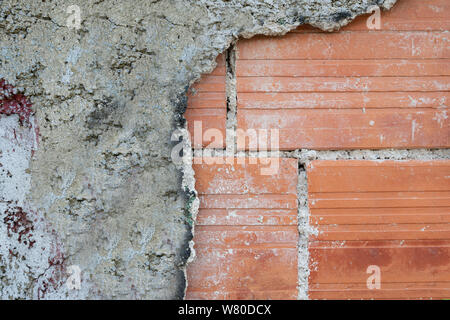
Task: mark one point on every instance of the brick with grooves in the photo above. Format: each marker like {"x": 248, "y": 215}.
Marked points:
{"x": 391, "y": 214}
{"x": 356, "y": 88}
{"x": 246, "y": 233}
{"x": 207, "y": 105}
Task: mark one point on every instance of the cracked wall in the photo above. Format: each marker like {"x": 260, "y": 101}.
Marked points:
{"x": 106, "y": 98}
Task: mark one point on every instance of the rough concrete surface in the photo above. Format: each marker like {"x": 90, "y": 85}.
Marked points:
{"x": 100, "y": 191}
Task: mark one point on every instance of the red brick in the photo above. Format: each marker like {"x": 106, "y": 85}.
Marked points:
{"x": 246, "y": 234}
{"x": 341, "y": 68}
{"x": 348, "y": 45}
{"x": 351, "y": 128}
{"x": 393, "y": 214}
{"x": 344, "y": 100}
{"x": 212, "y": 121}
{"x": 207, "y": 104}
{"x": 355, "y": 89}
{"x": 341, "y": 84}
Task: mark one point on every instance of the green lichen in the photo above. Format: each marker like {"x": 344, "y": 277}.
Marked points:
{"x": 191, "y": 196}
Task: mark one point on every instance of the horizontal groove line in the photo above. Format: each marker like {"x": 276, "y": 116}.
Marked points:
{"x": 371, "y": 59}
{"x": 376, "y": 31}
{"x": 201, "y": 91}
{"x": 375, "y": 247}
{"x": 248, "y": 194}
{"x": 345, "y": 163}
{"x": 346, "y": 208}
{"x": 312, "y": 93}
{"x": 418, "y": 191}
{"x": 381, "y": 199}
{"x": 350, "y": 59}
{"x": 383, "y": 216}
{"x": 284, "y": 211}
{"x": 425, "y": 243}
{"x": 216, "y": 246}
{"x": 344, "y": 77}
{"x": 396, "y": 282}
{"x": 268, "y": 226}
{"x": 205, "y": 108}
{"x": 249, "y": 216}
{"x": 387, "y": 239}
{"x": 379, "y": 231}
{"x": 198, "y": 91}
{"x": 398, "y": 224}
{"x": 315, "y": 91}
{"x": 337, "y": 109}
{"x": 199, "y": 289}
{"x": 385, "y": 291}
{"x": 248, "y": 225}
{"x": 293, "y": 208}
{"x": 354, "y": 59}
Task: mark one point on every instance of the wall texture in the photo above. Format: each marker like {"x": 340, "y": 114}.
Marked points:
{"x": 361, "y": 118}
{"x": 88, "y": 181}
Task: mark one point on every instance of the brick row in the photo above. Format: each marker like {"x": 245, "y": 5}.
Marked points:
{"x": 390, "y": 214}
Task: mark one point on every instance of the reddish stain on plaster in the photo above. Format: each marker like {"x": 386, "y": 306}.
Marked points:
{"x": 25, "y": 223}
{"x": 12, "y": 102}
{"x": 18, "y": 221}
{"x": 56, "y": 274}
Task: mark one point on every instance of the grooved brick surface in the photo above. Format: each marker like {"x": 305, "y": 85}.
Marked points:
{"x": 391, "y": 214}
{"x": 207, "y": 104}
{"x": 356, "y": 88}
{"x": 246, "y": 233}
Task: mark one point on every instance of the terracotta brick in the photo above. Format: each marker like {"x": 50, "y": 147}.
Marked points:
{"x": 364, "y": 45}
{"x": 392, "y": 214}
{"x": 352, "y": 128}
{"x": 345, "y": 100}
{"x": 348, "y": 45}
{"x": 246, "y": 233}
{"x": 340, "y": 68}
{"x": 211, "y": 121}
{"x": 343, "y": 84}
{"x": 207, "y": 104}
{"x": 354, "y": 89}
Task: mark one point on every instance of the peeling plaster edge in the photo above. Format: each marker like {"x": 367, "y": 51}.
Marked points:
{"x": 231, "y": 96}
{"x": 188, "y": 186}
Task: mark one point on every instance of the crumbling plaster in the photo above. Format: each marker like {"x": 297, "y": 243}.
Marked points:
{"x": 107, "y": 98}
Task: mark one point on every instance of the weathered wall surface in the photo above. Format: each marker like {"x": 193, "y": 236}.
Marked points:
{"x": 100, "y": 191}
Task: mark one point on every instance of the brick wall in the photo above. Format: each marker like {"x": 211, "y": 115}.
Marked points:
{"x": 390, "y": 214}
{"x": 348, "y": 90}
{"x": 353, "y": 89}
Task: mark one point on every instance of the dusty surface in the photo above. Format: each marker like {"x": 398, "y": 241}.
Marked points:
{"x": 101, "y": 188}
